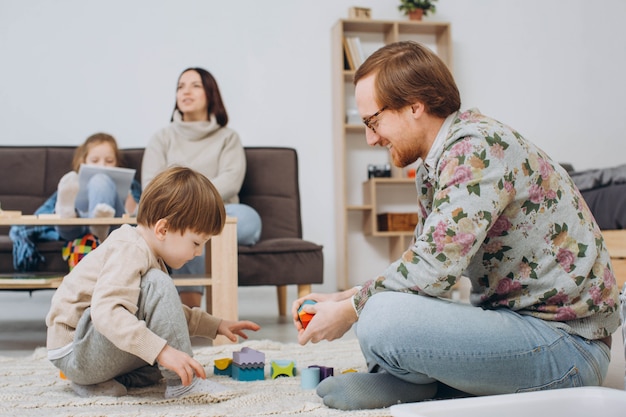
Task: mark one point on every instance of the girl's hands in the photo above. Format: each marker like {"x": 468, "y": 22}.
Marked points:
{"x": 232, "y": 329}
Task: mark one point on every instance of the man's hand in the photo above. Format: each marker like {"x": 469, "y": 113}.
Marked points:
{"x": 331, "y": 320}
{"x": 317, "y": 297}
{"x": 184, "y": 365}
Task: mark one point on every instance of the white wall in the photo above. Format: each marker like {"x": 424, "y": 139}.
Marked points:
{"x": 553, "y": 69}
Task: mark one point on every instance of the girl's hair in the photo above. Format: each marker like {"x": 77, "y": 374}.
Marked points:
{"x": 186, "y": 199}
{"x": 80, "y": 154}
{"x": 214, "y": 102}
{"x": 407, "y": 72}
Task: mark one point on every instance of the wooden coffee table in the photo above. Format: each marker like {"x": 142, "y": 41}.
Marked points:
{"x": 220, "y": 281}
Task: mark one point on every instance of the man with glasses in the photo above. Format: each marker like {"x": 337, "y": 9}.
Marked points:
{"x": 492, "y": 207}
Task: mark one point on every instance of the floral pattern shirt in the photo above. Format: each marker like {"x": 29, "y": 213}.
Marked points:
{"x": 495, "y": 208}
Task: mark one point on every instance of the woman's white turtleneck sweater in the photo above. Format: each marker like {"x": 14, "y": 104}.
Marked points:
{"x": 206, "y": 147}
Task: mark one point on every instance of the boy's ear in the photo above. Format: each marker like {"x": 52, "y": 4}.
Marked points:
{"x": 160, "y": 229}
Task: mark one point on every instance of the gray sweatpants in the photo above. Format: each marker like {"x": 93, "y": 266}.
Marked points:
{"x": 94, "y": 359}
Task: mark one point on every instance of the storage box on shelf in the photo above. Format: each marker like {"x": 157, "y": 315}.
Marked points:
{"x": 397, "y": 222}
{"x": 362, "y": 247}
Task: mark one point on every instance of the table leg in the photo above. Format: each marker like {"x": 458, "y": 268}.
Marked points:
{"x": 221, "y": 262}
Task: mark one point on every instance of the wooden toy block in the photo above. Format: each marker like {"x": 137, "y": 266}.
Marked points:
{"x": 223, "y": 366}
{"x": 282, "y": 368}
{"x": 325, "y": 371}
{"x": 248, "y": 356}
{"x": 248, "y": 374}
{"x": 248, "y": 365}
{"x": 303, "y": 316}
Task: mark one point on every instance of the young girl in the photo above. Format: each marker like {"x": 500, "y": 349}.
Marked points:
{"x": 103, "y": 201}
{"x": 98, "y": 149}
{"x": 198, "y": 138}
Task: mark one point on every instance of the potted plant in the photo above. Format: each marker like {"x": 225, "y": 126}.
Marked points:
{"x": 415, "y": 9}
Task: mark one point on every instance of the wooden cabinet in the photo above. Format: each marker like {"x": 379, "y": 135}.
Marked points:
{"x": 362, "y": 249}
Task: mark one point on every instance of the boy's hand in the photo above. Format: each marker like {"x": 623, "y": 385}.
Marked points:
{"x": 232, "y": 329}
{"x": 184, "y": 365}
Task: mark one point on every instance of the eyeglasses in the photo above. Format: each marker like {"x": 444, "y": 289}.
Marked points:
{"x": 371, "y": 122}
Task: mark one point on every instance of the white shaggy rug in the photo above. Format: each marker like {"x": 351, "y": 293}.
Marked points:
{"x": 32, "y": 387}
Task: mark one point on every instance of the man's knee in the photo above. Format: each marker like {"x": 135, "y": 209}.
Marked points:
{"x": 373, "y": 321}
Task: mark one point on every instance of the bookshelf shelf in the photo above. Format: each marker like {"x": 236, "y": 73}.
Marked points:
{"x": 362, "y": 250}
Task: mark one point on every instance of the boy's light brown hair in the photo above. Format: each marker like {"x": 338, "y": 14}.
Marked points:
{"x": 186, "y": 199}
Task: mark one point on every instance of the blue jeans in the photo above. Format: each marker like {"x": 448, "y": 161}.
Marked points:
{"x": 422, "y": 339}
{"x": 100, "y": 189}
{"x": 248, "y": 233}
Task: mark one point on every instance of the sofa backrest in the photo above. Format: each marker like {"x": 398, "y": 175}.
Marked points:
{"x": 271, "y": 187}
{"x": 30, "y": 174}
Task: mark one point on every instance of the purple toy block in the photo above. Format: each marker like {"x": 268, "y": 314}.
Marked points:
{"x": 325, "y": 371}
{"x": 247, "y": 356}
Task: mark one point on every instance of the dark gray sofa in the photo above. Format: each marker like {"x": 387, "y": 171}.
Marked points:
{"x": 31, "y": 174}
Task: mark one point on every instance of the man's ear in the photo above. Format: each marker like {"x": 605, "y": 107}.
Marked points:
{"x": 417, "y": 109}
{"x": 160, "y": 229}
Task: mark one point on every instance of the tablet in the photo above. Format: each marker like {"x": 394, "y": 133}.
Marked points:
{"x": 123, "y": 177}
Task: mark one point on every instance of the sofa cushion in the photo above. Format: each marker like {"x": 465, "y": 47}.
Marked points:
{"x": 51, "y": 251}
{"x": 284, "y": 261}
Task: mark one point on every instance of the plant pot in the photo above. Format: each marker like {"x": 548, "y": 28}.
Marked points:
{"x": 416, "y": 14}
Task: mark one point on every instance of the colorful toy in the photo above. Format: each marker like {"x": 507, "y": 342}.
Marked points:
{"x": 283, "y": 368}
{"x": 310, "y": 378}
{"x": 77, "y": 249}
{"x": 248, "y": 365}
{"x": 325, "y": 371}
{"x": 223, "y": 366}
{"x": 303, "y": 316}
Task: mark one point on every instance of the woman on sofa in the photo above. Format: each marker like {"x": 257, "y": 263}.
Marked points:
{"x": 98, "y": 149}
{"x": 197, "y": 137}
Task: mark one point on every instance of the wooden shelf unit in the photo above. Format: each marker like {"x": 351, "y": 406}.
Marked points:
{"x": 356, "y": 197}
{"x": 615, "y": 241}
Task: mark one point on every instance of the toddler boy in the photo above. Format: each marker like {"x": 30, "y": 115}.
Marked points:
{"x": 116, "y": 321}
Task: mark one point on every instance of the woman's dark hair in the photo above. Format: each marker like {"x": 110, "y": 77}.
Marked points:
{"x": 215, "y": 105}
